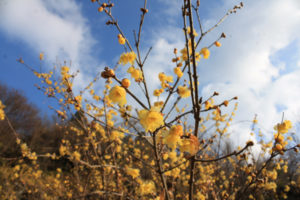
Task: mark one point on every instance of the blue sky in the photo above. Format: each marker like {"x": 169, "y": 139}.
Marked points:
{"x": 259, "y": 61}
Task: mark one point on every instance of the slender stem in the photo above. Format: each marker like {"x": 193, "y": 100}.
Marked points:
{"x": 197, "y": 105}
{"x": 160, "y": 169}
{"x": 175, "y": 104}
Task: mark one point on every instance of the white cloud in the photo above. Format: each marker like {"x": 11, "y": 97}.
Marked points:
{"x": 242, "y": 66}
{"x": 56, "y": 28}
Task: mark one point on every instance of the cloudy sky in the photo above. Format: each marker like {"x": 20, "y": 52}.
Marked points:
{"x": 259, "y": 61}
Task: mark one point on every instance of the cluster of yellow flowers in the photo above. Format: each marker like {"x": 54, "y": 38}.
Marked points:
{"x": 183, "y": 91}
{"x": 188, "y": 30}
{"x": 134, "y": 173}
{"x": 146, "y": 187}
{"x": 2, "y": 114}
{"x": 135, "y": 73}
{"x": 283, "y": 127}
{"x": 164, "y": 79}
{"x": 205, "y": 52}
{"x": 190, "y": 145}
{"x": 173, "y": 136}
{"x": 128, "y": 57}
{"x": 157, "y": 92}
{"x": 178, "y": 72}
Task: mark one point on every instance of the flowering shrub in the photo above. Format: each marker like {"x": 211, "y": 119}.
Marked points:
{"x": 150, "y": 149}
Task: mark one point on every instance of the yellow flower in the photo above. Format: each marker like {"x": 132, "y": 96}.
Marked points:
{"x": 278, "y": 147}
{"x": 76, "y": 155}
{"x": 135, "y": 73}
{"x": 173, "y": 137}
{"x": 200, "y": 196}
{"x": 117, "y": 94}
{"x": 121, "y": 39}
{"x": 132, "y": 172}
{"x": 151, "y": 119}
{"x": 283, "y": 127}
{"x": 115, "y": 135}
{"x": 190, "y": 145}
{"x": 208, "y": 104}
{"x": 127, "y": 58}
{"x": 205, "y": 52}
{"x": 163, "y": 77}
{"x": 2, "y": 114}
{"x": 156, "y": 92}
{"x": 178, "y": 72}
{"x": 188, "y": 30}
{"x": 184, "y": 56}
{"x": 183, "y": 91}
{"x": 147, "y": 187}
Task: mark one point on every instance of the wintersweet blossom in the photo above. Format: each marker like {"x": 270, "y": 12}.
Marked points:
{"x": 189, "y": 31}
{"x": 117, "y": 94}
{"x": 283, "y": 127}
{"x": 178, "y": 72}
{"x": 173, "y": 136}
{"x": 132, "y": 172}
{"x": 135, "y": 73}
{"x": 183, "y": 91}
{"x": 121, "y": 39}
{"x": 190, "y": 145}
{"x": 205, "y": 52}
{"x": 128, "y": 57}
{"x": 151, "y": 119}
{"x": 147, "y": 187}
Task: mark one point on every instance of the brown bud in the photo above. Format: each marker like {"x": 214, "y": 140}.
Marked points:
{"x": 20, "y": 60}
{"x": 179, "y": 64}
{"x": 215, "y": 93}
{"x": 175, "y": 51}
{"x": 223, "y": 35}
{"x": 226, "y": 103}
{"x": 250, "y": 143}
{"x": 144, "y": 10}
{"x": 107, "y": 73}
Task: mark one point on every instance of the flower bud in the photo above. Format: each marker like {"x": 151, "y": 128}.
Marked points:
{"x": 126, "y": 83}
